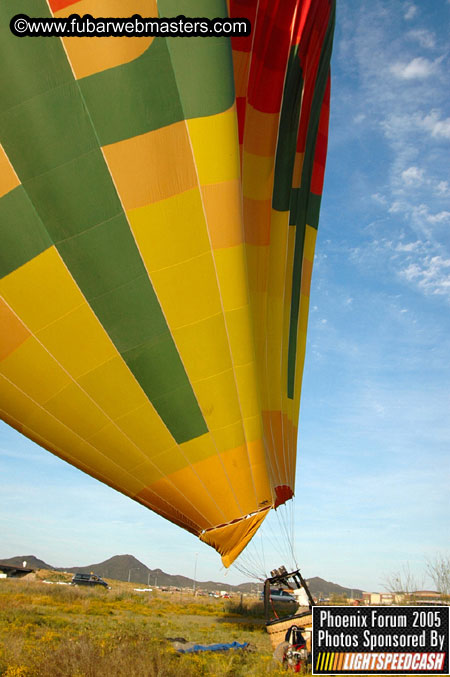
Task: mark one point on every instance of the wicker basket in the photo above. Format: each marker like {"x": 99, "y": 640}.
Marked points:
{"x": 277, "y": 629}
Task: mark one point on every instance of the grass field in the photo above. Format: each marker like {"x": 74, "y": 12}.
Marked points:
{"x": 58, "y": 630}
{"x": 67, "y": 631}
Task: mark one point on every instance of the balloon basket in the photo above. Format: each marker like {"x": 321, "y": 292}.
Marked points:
{"x": 277, "y": 629}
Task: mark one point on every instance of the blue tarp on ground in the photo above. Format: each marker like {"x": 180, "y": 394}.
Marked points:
{"x": 212, "y": 647}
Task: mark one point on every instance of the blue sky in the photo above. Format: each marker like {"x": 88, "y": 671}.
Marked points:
{"x": 373, "y": 470}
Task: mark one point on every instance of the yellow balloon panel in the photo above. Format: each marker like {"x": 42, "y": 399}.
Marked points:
{"x": 159, "y": 201}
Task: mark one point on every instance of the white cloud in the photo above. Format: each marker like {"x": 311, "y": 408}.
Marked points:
{"x": 433, "y": 123}
{"x": 432, "y": 274}
{"x": 421, "y": 217}
{"x": 409, "y": 107}
{"x": 440, "y": 217}
{"x": 423, "y": 263}
{"x": 378, "y": 408}
{"x": 395, "y": 126}
{"x": 410, "y": 11}
{"x": 412, "y": 175}
{"x": 422, "y": 212}
{"x": 409, "y": 246}
{"x": 417, "y": 68}
{"x": 443, "y": 188}
{"x": 423, "y": 37}
{"x": 379, "y": 198}
{"x": 397, "y": 207}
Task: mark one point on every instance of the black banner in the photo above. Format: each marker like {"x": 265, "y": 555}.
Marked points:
{"x": 376, "y": 639}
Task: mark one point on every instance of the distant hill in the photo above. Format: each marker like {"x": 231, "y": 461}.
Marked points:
{"x": 117, "y": 567}
{"x": 32, "y": 562}
{"x": 124, "y": 568}
{"x": 321, "y": 588}
{"x": 127, "y": 567}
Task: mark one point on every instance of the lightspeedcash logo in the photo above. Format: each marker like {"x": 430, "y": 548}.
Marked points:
{"x": 388, "y": 640}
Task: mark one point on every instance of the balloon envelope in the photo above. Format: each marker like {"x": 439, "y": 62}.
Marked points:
{"x": 158, "y": 214}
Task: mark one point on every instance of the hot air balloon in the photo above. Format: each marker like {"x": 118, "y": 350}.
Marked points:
{"x": 159, "y": 204}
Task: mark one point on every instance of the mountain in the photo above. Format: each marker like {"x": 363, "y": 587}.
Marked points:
{"x": 123, "y": 568}
{"x": 32, "y": 562}
{"x": 119, "y": 568}
{"x": 128, "y": 568}
{"x": 321, "y": 588}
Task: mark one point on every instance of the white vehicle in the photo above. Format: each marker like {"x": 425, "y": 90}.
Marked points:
{"x": 279, "y": 595}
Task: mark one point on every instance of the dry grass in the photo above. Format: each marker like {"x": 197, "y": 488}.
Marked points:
{"x": 62, "y": 631}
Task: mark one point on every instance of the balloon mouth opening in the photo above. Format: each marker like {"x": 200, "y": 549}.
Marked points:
{"x": 282, "y": 494}
{"x": 230, "y": 539}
